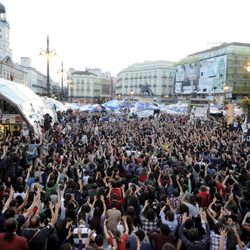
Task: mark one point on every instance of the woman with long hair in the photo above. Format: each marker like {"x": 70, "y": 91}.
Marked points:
{"x": 10, "y": 240}
{"x": 97, "y": 216}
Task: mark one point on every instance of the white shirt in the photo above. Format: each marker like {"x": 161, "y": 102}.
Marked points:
{"x": 25, "y": 132}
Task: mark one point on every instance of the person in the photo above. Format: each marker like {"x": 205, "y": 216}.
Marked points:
{"x": 164, "y": 173}
{"x": 16, "y": 132}
{"x": 216, "y": 237}
{"x": 139, "y": 241}
{"x": 191, "y": 239}
{"x": 10, "y": 240}
{"x": 81, "y": 234}
{"x": 113, "y": 216}
{"x": 169, "y": 219}
{"x": 149, "y": 220}
{"x": 25, "y": 132}
{"x": 160, "y": 238}
{"x": 38, "y": 238}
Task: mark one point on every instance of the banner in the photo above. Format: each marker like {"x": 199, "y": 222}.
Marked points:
{"x": 187, "y": 78}
{"x": 246, "y": 130}
{"x": 213, "y": 74}
{"x": 205, "y": 75}
{"x": 230, "y": 113}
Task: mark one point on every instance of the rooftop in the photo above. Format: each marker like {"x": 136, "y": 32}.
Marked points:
{"x": 221, "y": 46}
{"x": 86, "y": 73}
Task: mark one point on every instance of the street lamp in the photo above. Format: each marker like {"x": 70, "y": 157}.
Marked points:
{"x": 62, "y": 72}
{"x": 166, "y": 97}
{"x": 227, "y": 92}
{"x": 47, "y": 53}
{"x": 131, "y": 94}
{"x": 70, "y": 84}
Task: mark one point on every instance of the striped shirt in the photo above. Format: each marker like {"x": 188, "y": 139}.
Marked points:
{"x": 85, "y": 232}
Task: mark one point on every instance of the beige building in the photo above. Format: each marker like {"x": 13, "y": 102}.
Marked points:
{"x": 159, "y": 75}
{"x": 8, "y": 69}
{"x": 89, "y": 85}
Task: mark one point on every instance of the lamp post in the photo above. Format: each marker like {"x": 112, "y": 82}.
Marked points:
{"x": 62, "y": 71}
{"x": 132, "y": 95}
{"x": 227, "y": 91}
{"x": 166, "y": 98}
{"x": 70, "y": 84}
{"x": 47, "y": 53}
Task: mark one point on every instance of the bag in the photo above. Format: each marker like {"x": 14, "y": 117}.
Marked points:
{"x": 34, "y": 235}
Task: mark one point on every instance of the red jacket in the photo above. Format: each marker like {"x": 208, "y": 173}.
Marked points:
{"x": 18, "y": 243}
{"x": 205, "y": 198}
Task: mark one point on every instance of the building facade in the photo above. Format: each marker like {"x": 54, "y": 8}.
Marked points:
{"x": 22, "y": 73}
{"x": 211, "y": 72}
{"x": 8, "y": 69}
{"x": 36, "y": 80}
{"x": 159, "y": 75}
{"x": 89, "y": 85}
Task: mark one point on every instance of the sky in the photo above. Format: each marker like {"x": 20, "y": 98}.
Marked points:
{"x": 113, "y": 34}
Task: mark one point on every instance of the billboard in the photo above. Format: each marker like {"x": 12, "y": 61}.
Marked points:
{"x": 212, "y": 74}
{"x": 206, "y": 75}
{"x": 187, "y": 78}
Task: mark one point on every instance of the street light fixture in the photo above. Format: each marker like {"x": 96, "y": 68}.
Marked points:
{"x": 131, "y": 94}
{"x": 70, "y": 84}
{"x": 48, "y": 54}
{"x": 62, "y": 71}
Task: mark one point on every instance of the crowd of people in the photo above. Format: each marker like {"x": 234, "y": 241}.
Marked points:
{"x": 161, "y": 183}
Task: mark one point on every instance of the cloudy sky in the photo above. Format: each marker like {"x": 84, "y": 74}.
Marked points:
{"x": 112, "y": 34}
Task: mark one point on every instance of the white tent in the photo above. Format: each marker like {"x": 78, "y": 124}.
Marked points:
{"x": 29, "y": 104}
{"x": 54, "y": 104}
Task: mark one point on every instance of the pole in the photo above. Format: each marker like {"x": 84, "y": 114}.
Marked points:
{"x": 62, "y": 71}
{"x": 48, "y": 54}
{"x": 246, "y": 134}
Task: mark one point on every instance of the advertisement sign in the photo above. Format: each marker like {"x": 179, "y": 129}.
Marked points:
{"x": 230, "y": 113}
{"x": 187, "y": 78}
{"x": 207, "y": 75}
{"x": 212, "y": 74}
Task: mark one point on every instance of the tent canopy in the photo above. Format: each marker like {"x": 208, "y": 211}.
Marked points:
{"x": 29, "y": 104}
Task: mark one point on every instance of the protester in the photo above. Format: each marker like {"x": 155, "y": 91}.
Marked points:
{"x": 162, "y": 182}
